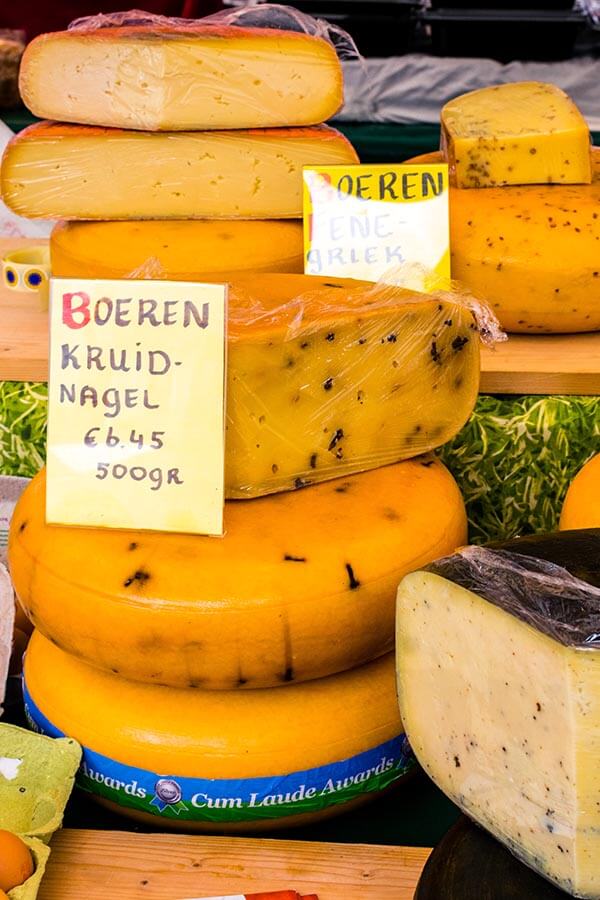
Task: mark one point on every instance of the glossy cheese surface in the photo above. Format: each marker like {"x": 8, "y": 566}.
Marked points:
{"x": 581, "y": 508}
{"x": 520, "y": 133}
{"x": 301, "y": 586}
{"x": 183, "y": 250}
{"x": 169, "y": 78}
{"x": 233, "y": 743}
{"x": 532, "y": 252}
{"x": 52, "y": 170}
{"x": 499, "y": 690}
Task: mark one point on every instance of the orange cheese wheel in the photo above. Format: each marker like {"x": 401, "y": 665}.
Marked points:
{"x": 302, "y": 585}
{"x": 581, "y": 508}
{"x": 533, "y": 252}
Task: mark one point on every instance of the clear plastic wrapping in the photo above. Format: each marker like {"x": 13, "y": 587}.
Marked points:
{"x": 540, "y": 593}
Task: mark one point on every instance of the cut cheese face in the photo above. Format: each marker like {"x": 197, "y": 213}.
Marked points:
{"x": 533, "y": 252}
{"x": 225, "y": 760}
{"x": 181, "y": 250}
{"x": 581, "y": 508}
{"x": 498, "y": 659}
{"x": 522, "y": 133}
{"x": 170, "y": 78}
{"x": 301, "y": 586}
{"x": 81, "y": 172}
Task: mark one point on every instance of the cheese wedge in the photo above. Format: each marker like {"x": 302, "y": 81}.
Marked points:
{"x": 498, "y": 657}
{"x": 81, "y": 172}
{"x": 522, "y": 133}
{"x": 180, "y": 78}
{"x": 581, "y": 508}
{"x": 532, "y": 252}
{"x": 225, "y": 761}
{"x": 181, "y": 250}
{"x": 301, "y": 586}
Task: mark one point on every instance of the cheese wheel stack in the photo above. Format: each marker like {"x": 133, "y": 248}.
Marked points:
{"x": 232, "y": 683}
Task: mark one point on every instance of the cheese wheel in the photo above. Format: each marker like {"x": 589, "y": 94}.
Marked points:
{"x": 301, "y": 586}
{"x": 532, "y": 252}
{"x": 57, "y": 171}
{"x": 181, "y": 250}
{"x": 181, "y": 77}
{"x": 581, "y": 508}
{"x": 223, "y": 760}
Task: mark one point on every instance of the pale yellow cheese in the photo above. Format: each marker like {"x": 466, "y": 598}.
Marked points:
{"x": 174, "y": 78}
{"x": 520, "y": 133}
{"x": 504, "y": 716}
{"x": 82, "y": 172}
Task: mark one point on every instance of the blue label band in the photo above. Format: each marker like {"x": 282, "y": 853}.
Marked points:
{"x": 235, "y": 800}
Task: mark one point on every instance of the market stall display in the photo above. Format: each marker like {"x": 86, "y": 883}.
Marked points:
{"x": 498, "y": 663}
{"x": 581, "y": 508}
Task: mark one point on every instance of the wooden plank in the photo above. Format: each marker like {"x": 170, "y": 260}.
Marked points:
{"x": 525, "y": 364}
{"x": 97, "y": 865}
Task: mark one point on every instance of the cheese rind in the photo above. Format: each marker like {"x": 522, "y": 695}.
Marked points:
{"x": 175, "y": 249}
{"x": 52, "y": 170}
{"x": 520, "y": 133}
{"x": 499, "y": 690}
{"x": 170, "y": 78}
{"x": 301, "y": 586}
{"x": 531, "y": 252}
{"x": 218, "y": 749}
{"x": 581, "y": 508}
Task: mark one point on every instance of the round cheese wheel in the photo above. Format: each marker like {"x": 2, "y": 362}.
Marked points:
{"x": 302, "y": 585}
{"x": 533, "y": 251}
{"x": 184, "y": 250}
{"x": 581, "y": 508}
{"x": 223, "y": 760}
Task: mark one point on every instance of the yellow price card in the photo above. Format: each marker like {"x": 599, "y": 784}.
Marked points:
{"x": 369, "y": 222}
{"x": 137, "y": 405}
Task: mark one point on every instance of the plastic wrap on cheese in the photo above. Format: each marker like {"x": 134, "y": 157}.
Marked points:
{"x": 56, "y": 170}
{"x": 329, "y": 376}
{"x": 246, "y": 68}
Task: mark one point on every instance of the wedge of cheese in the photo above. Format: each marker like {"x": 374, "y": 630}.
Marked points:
{"x": 180, "y": 78}
{"x": 581, "y": 508}
{"x": 301, "y": 586}
{"x": 224, "y": 761}
{"x": 182, "y": 250}
{"x": 532, "y": 252}
{"x": 81, "y": 172}
{"x": 498, "y": 657}
{"x": 522, "y": 133}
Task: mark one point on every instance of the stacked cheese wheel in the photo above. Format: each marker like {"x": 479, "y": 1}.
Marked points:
{"x": 232, "y": 683}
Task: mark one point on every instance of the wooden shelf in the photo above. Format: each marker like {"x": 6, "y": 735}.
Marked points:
{"x": 97, "y": 865}
{"x": 557, "y": 364}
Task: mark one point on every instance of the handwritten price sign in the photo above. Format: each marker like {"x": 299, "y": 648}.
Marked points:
{"x": 136, "y": 405}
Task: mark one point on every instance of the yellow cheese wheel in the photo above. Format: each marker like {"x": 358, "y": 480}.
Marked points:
{"x": 581, "y": 508}
{"x": 223, "y": 760}
{"x": 301, "y": 586}
{"x": 532, "y": 252}
{"x": 178, "y": 249}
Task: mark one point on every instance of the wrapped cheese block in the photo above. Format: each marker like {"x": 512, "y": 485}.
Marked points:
{"x": 52, "y": 170}
{"x": 531, "y": 252}
{"x": 581, "y": 508}
{"x": 180, "y": 77}
{"x": 7, "y": 620}
{"x": 182, "y": 250}
{"x": 498, "y": 656}
{"x": 301, "y": 586}
{"x": 225, "y": 761}
{"x": 518, "y": 133}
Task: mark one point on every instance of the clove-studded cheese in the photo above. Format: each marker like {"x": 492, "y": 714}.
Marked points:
{"x": 581, "y": 508}
{"x": 52, "y": 170}
{"x": 181, "y": 77}
{"x": 498, "y": 657}
{"x": 223, "y": 760}
{"x": 301, "y": 586}
{"x": 532, "y": 252}
{"x": 519, "y": 133}
{"x": 183, "y": 250}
